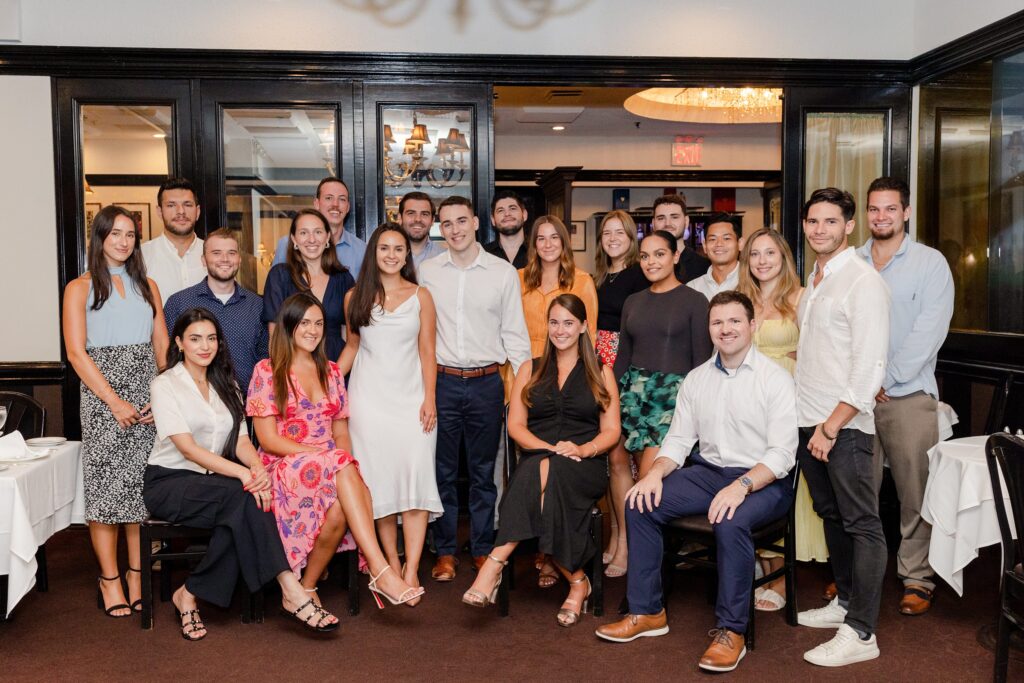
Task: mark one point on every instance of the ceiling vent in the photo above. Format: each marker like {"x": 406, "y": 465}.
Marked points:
{"x": 548, "y": 114}
{"x": 564, "y": 95}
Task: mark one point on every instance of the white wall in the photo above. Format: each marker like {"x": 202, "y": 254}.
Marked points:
{"x": 865, "y": 29}
{"x": 29, "y": 316}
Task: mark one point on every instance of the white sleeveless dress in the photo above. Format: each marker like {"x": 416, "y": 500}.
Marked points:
{"x": 385, "y": 393}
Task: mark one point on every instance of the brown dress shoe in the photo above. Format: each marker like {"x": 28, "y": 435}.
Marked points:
{"x": 830, "y": 592}
{"x": 916, "y": 601}
{"x": 634, "y": 626}
{"x": 444, "y": 569}
{"x": 479, "y": 562}
{"x": 725, "y": 651}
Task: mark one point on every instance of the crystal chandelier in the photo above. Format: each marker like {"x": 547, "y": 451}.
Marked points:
{"x": 708, "y": 105}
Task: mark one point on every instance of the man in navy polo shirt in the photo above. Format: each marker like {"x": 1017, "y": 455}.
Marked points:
{"x": 236, "y": 308}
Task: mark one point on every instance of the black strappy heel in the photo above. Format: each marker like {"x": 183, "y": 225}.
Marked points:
{"x": 318, "y": 613}
{"x": 109, "y": 611}
{"x": 193, "y": 625}
{"x": 136, "y": 606}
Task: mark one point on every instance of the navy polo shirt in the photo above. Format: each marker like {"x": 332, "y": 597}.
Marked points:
{"x": 240, "y": 318}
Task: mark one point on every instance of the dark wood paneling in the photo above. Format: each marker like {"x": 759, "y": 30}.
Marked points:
{"x": 507, "y": 175}
{"x": 32, "y": 373}
{"x": 112, "y": 179}
{"x": 999, "y": 38}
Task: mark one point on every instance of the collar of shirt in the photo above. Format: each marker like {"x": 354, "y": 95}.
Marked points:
{"x": 173, "y": 250}
{"x": 748, "y": 361}
{"x": 734, "y": 273}
{"x": 835, "y": 264}
{"x": 480, "y": 260}
{"x": 204, "y": 290}
{"x": 865, "y": 251}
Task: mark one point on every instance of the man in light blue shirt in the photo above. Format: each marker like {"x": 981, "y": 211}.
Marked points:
{"x": 906, "y": 425}
{"x": 332, "y": 200}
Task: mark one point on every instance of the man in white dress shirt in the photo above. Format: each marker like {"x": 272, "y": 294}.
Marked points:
{"x": 722, "y": 244}
{"x": 480, "y": 326}
{"x": 840, "y": 365}
{"x": 175, "y": 259}
{"x": 740, "y": 479}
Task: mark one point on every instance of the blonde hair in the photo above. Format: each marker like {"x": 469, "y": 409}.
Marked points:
{"x": 567, "y": 264}
{"x": 601, "y": 259}
{"x": 788, "y": 282}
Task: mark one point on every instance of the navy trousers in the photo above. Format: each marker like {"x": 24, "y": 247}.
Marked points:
{"x": 469, "y": 410}
{"x": 689, "y": 491}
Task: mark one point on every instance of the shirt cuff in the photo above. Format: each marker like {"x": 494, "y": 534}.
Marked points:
{"x": 779, "y": 463}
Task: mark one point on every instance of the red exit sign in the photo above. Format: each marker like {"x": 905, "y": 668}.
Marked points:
{"x": 687, "y": 150}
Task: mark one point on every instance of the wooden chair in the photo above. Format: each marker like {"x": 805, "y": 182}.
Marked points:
{"x": 24, "y": 414}
{"x": 697, "y": 529}
{"x": 1005, "y": 453}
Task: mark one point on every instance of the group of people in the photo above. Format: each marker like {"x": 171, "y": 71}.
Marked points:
{"x": 666, "y": 383}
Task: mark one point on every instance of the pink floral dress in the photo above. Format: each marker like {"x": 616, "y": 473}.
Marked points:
{"x": 303, "y": 484}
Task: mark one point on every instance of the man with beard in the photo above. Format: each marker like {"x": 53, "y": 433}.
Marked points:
{"x": 236, "y": 308}
{"x": 722, "y": 244}
{"x": 416, "y": 216}
{"x": 670, "y": 214}
{"x": 174, "y": 259}
{"x": 508, "y": 215}
{"x": 332, "y": 200}
{"x": 906, "y": 424}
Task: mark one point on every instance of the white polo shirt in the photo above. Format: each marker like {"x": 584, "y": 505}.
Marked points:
{"x": 173, "y": 273}
{"x": 706, "y": 284}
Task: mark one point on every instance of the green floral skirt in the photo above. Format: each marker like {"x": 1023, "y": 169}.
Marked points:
{"x": 647, "y": 399}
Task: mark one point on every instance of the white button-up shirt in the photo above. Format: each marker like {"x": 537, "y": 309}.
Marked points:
{"x": 706, "y": 284}
{"x": 844, "y": 339}
{"x": 479, "y": 311}
{"x": 179, "y": 408}
{"x": 173, "y": 273}
{"x": 741, "y": 417}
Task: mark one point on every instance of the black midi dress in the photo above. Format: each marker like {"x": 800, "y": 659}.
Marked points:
{"x": 562, "y": 527}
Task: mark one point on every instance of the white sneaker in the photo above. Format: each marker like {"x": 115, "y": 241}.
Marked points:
{"x": 832, "y": 615}
{"x": 845, "y": 648}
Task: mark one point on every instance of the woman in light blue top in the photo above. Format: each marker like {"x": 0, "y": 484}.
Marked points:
{"x": 115, "y": 336}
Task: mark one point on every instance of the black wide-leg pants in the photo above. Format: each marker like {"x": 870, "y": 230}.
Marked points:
{"x": 244, "y": 538}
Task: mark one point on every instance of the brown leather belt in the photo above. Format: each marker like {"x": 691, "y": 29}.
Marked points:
{"x": 468, "y": 373}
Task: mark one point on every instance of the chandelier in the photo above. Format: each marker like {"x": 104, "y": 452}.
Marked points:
{"x": 448, "y": 167}
{"x": 708, "y": 105}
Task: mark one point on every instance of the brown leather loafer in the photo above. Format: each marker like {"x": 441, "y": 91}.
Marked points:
{"x": 479, "y": 562}
{"x": 830, "y": 592}
{"x": 634, "y": 626}
{"x": 444, "y": 568}
{"x": 726, "y": 650}
{"x": 916, "y": 601}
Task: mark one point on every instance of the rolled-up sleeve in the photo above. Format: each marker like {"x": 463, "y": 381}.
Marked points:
{"x": 167, "y": 415}
{"x": 682, "y": 433}
{"x": 867, "y": 309}
{"x": 781, "y": 437}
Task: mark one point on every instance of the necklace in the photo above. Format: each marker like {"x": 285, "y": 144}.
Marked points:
{"x": 610, "y": 277}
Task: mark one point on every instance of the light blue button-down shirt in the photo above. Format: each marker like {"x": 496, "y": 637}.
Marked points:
{"x": 431, "y": 249}
{"x": 350, "y": 251}
{"x": 922, "y": 306}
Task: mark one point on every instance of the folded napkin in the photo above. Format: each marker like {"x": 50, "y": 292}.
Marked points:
{"x": 12, "y": 446}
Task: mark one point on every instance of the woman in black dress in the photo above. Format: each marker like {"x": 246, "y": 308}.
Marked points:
{"x": 564, "y": 415}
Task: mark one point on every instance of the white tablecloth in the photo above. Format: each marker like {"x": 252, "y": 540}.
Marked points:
{"x": 960, "y": 506}
{"x": 37, "y": 499}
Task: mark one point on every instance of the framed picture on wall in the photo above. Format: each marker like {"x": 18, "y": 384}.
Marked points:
{"x": 578, "y": 235}
{"x": 91, "y": 209}
{"x": 140, "y": 211}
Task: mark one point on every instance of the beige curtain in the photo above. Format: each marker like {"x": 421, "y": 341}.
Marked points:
{"x": 844, "y": 150}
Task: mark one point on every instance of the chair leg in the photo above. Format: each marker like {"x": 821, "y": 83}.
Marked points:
{"x": 146, "y": 565}
{"x": 3, "y": 598}
{"x": 503, "y": 588}
{"x": 42, "y": 578}
{"x": 258, "y": 607}
{"x": 247, "y": 606}
{"x": 1002, "y": 648}
{"x": 352, "y": 569}
{"x": 597, "y": 566}
{"x": 165, "y": 576}
{"x": 751, "y": 632}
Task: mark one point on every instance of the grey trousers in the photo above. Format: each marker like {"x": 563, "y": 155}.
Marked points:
{"x": 905, "y": 428}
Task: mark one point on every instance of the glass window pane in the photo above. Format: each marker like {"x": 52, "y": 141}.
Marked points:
{"x": 844, "y": 150}
{"x": 273, "y": 160}
{"x": 1006, "y": 240}
{"x": 126, "y": 152}
{"x": 429, "y": 150}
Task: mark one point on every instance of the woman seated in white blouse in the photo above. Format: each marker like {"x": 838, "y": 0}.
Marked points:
{"x": 204, "y": 472}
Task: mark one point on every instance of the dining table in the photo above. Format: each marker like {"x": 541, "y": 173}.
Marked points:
{"x": 960, "y": 505}
{"x": 37, "y": 499}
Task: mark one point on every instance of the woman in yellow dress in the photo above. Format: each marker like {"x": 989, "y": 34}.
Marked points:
{"x": 550, "y": 272}
{"x": 768, "y": 276}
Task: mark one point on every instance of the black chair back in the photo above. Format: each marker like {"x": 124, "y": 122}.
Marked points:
{"x": 1005, "y": 453}
{"x": 24, "y": 414}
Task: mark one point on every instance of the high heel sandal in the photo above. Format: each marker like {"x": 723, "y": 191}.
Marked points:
{"x": 136, "y": 605}
{"x": 316, "y": 612}
{"x": 407, "y": 595}
{"x": 410, "y": 602}
{"x": 109, "y": 611}
{"x": 606, "y": 557}
{"x": 567, "y": 617}
{"x": 475, "y": 598}
{"x": 193, "y": 625}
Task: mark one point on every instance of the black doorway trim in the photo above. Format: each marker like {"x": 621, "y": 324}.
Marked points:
{"x": 510, "y": 175}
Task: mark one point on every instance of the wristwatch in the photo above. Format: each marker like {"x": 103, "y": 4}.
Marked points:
{"x": 747, "y": 483}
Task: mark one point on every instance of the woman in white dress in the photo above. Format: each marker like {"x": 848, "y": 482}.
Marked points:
{"x": 393, "y": 417}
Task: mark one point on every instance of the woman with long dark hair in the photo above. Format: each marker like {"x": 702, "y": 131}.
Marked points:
{"x": 392, "y": 412}
{"x": 204, "y": 472}
{"x": 300, "y": 412}
{"x": 565, "y": 417}
{"x": 114, "y": 333}
{"x": 311, "y": 266}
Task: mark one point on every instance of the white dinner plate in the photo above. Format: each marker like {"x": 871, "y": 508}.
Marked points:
{"x": 32, "y": 454}
{"x": 46, "y": 441}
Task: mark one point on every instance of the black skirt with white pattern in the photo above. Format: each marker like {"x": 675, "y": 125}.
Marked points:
{"x": 114, "y": 459}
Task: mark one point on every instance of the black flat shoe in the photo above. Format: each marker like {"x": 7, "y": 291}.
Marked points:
{"x": 136, "y": 605}
{"x": 318, "y": 613}
{"x": 109, "y": 611}
{"x": 192, "y": 626}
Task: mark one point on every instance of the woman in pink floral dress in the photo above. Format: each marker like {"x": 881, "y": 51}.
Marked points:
{"x": 300, "y": 409}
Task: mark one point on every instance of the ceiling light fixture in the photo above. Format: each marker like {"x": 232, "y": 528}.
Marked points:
{"x": 708, "y": 105}
{"x": 557, "y": 127}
